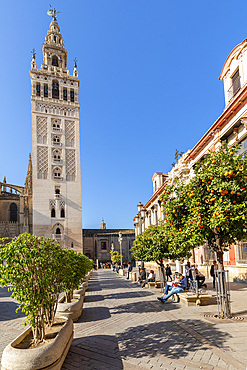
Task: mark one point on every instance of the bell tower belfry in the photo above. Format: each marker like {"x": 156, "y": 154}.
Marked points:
{"x": 56, "y": 144}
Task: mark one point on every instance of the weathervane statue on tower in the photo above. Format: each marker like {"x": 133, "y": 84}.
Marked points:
{"x": 53, "y": 13}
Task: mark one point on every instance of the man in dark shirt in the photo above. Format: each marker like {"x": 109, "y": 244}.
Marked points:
{"x": 179, "y": 286}
{"x": 212, "y": 271}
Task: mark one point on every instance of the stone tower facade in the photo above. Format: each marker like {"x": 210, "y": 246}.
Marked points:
{"x": 56, "y": 144}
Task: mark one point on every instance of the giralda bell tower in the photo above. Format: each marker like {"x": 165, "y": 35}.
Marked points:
{"x": 57, "y": 209}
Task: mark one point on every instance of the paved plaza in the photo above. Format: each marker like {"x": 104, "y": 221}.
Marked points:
{"x": 124, "y": 327}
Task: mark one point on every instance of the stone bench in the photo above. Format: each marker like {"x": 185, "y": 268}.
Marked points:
{"x": 158, "y": 284}
{"x": 151, "y": 284}
{"x": 192, "y": 299}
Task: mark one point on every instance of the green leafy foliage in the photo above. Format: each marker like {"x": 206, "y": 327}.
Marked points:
{"x": 212, "y": 207}
{"x": 37, "y": 270}
{"x": 115, "y": 256}
{"x": 157, "y": 244}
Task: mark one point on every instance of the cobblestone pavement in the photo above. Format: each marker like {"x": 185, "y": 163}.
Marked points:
{"x": 124, "y": 327}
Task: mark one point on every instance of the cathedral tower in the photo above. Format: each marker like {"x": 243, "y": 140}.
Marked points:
{"x": 56, "y": 144}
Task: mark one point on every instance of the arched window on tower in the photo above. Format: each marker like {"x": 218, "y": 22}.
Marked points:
{"x": 46, "y": 91}
{"x": 64, "y": 94}
{"x": 62, "y": 213}
{"x": 54, "y": 60}
{"x": 56, "y": 140}
{"x": 72, "y": 96}
{"x": 53, "y": 212}
{"x": 56, "y": 155}
{"x": 58, "y": 231}
{"x": 13, "y": 212}
{"x": 38, "y": 89}
{"x": 57, "y": 173}
{"x": 55, "y": 90}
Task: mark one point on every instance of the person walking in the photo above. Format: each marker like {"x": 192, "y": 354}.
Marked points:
{"x": 168, "y": 272}
{"x": 129, "y": 269}
{"x": 212, "y": 272}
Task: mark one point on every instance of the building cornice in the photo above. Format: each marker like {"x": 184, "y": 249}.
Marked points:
{"x": 230, "y": 111}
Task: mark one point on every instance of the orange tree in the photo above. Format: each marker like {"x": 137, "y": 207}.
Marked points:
{"x": 157, "y": 244}
{"x": 212, "y": 207}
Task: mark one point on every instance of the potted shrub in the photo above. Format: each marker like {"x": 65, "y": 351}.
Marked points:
{"x": 75, "y": 267}
{"x": 33, "y": 266}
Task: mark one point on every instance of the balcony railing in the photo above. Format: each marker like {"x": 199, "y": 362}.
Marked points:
{"x": 57, "y": 236}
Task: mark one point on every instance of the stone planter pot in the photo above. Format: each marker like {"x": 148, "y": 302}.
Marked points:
{"x": 79, "y": 292}
{"x": 71, "y": 310}
{"x": 121, "y": 272}
{"x": 85, "y": 285}
{"x": 49, "y": 356}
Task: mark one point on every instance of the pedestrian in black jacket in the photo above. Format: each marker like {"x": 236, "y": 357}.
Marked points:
{"x": 168, "y": 272}
{"x": 212, "y": 271}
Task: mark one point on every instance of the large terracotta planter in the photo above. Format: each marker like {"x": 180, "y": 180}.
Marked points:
{"x": 49, "y": 356}
{"x": 71, "y": 310}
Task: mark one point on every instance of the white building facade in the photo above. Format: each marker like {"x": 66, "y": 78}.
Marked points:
{"x": 57, "y": 211}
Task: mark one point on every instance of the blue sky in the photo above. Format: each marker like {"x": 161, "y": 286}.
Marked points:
{"x": 149, "y": 85}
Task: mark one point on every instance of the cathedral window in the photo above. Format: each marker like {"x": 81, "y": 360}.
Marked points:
{"x": 53, "y": 212}
{"x": 62, "y": 213}
{"x": 55, "y": 39}
{"x": 46, "y": 91}
{"x": 55, "y": 90}
{"x": 38, "y": 89}
{"x": 13, "y": 212}
{"x": 57, "y": 191}
{"x": 64, "y": 94}
{"x": 54, "y": 61}
{"x": 72, "y": 96}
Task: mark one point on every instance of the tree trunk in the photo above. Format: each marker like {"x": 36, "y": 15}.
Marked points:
{"x": 221, "y": 285}
{"x": 161, "y": 264}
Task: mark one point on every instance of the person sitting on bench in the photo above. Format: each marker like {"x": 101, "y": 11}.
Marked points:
{"x": 200, "y": 278}
{"x": 149, "y": 278}
{"x": 179, "y": 286}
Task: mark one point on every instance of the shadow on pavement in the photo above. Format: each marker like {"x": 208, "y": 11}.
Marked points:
{"x": 8, "y": 311}
{"x": 168, "y": 339}
{"x": 144, "y": 307}
{"x": 125, "y": 295}
{"x": 93, "y": 298}
{"x": 94, "y": 352}
{"x": 94, "y": 288}
{"x": 94, "y": 314}
{"x": 4, "y": 292}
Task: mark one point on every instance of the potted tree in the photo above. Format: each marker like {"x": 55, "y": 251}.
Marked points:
{"x": 75, "y": 267}
{"x": 32, "y": 265}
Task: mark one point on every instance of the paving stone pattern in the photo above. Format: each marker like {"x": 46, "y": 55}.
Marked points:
{"x": 124, "y": 327}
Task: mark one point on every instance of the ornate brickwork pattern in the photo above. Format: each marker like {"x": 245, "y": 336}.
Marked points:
{"x": 70, "y": 165}
{"x": 52, "y": 203}
{"x": 69, "y": 133}
{"x": 62, "y": 203}
{"x": 53, "y": 109}
{"x": 42, "y": 162}
{"x": 41, "y": 130}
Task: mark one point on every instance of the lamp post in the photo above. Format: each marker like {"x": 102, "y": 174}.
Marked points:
{"x": 120, "y": 239}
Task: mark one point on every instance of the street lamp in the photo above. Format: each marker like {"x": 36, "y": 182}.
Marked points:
{"x": 120, "y": 239}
